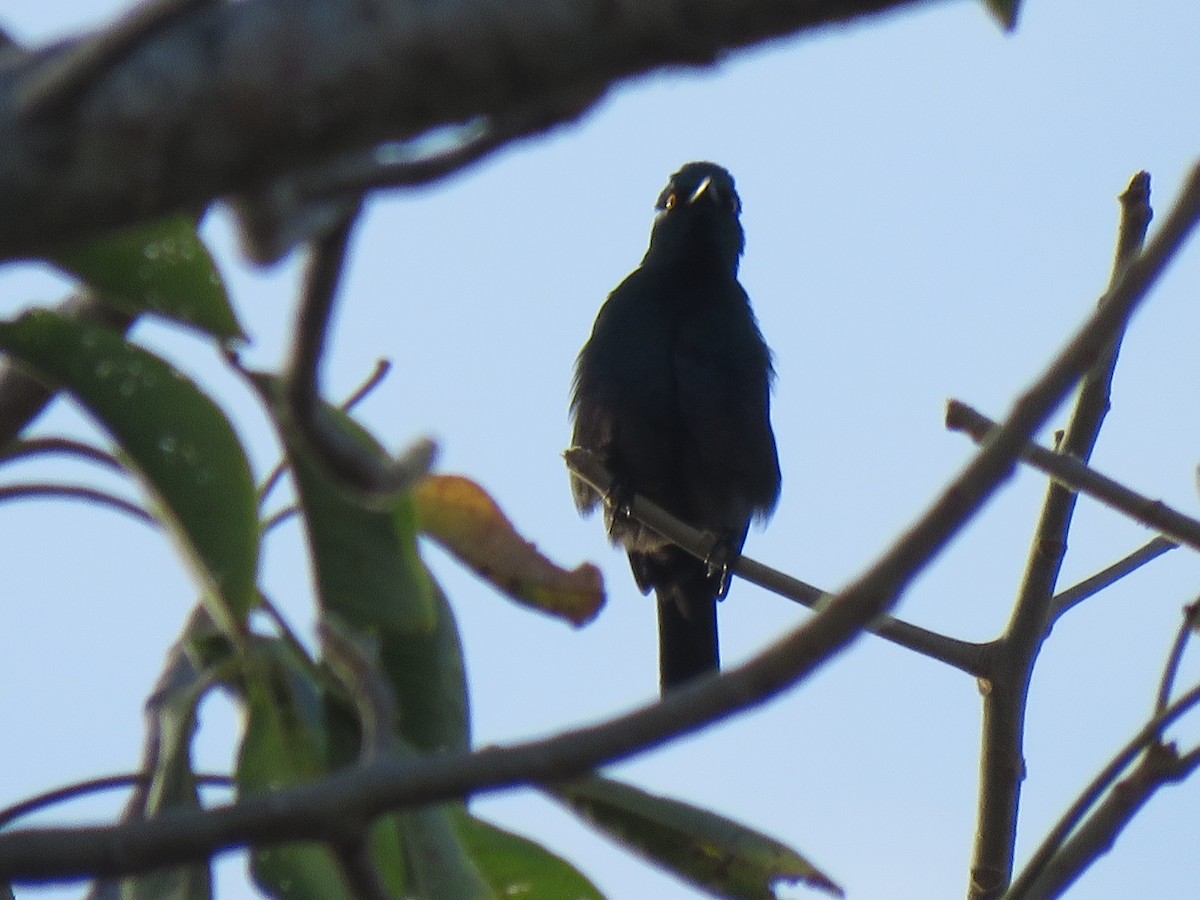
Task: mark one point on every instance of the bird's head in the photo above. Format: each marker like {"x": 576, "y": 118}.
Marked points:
{"x": 698, "y": 217}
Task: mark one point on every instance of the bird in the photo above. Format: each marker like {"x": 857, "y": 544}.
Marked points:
{"x": 672, "y": 395}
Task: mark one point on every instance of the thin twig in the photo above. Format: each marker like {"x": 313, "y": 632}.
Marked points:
{"x": 43, "y": 491}
{"x": 1079, "y": 477}
{"x": 276, "y": 519}
{"x": 1094, "y": 584}
{"x": 352, "y": 464}
{"x": 1146, "y": 736}
{"x": 382, "y": 367}
{"x": 1161, "y": 765}
{"x": 964, "y": 655}
{"x": 285, "y": 630}
{"x": 41, "y": 801}
{"x": 1191, "y": 614}
{"x": 20, "y": 449}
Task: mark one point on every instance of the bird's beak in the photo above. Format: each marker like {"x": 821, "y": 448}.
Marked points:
{"x": 700, "y": 189}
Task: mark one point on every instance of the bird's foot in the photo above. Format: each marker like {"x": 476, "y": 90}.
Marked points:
{"x": 719, "y": 562}
{"x": 619, "y": 502}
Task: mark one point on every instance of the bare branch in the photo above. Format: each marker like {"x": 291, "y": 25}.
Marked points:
{"x": 382, "y": 367}
{"x": 1191, "y": 615}
{"x": 965, "y": 655}
{"x": 354, "y": 465}
{"x": 1002, "y": 765}
{"x": 39, "y": 446}
{"x": 1036, "y": 871}
{"x": 1094, "y": 584}
{"x": 1077, "y": 476}
{"x": 42, "y": 491}
{"x": 65, "y": 77}
{"x": 40, "y": 802}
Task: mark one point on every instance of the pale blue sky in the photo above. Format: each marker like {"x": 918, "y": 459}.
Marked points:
{"x": 930, "y": 210}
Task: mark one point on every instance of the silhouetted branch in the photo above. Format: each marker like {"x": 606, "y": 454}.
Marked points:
{"x": 351, "y": 463}
{"x": 964, "y": 655}
{"x": 65, "y": 77}
{"x": 42, "y": 491}
{"x": 39, "y": 446}
{"x": 382, "y": 367}
{"x": 1002, "y": 766}
{"x": 40, "y": 802}
{"x": 1191, "y": 615}
{"x": 1092, "y": 585}
{"x": 1160, "y": 765}
{"x": 1077, "y": 476}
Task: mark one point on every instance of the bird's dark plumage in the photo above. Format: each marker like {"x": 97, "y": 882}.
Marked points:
{"x": 672, "y": 392}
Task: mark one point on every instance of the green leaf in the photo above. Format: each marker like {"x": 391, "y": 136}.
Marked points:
{"x": 368, "y": 570}
{"x": 439, "y": 864}
{"x": 716, "y": 853}
{"x": 175, "y": 439}
{"x": 1004, "y": 11}
{"x": 517, "y": 867}
{"x": 285, "y": 744}
{"x": 161, "y": 268}
{"x": 427, "y": 674}
{"x": 173, "y": 783}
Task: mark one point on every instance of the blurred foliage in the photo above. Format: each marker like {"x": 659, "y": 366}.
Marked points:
{"x": 388, "y": 676}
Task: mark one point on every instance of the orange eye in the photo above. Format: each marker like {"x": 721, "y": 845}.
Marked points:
{"x": 672, "y": 199}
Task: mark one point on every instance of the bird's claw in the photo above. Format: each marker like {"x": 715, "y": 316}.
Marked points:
{"x": 619, "y": 501}
{"x": 719, "y": 565}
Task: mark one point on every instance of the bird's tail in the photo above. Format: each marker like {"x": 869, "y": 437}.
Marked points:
{"x": 687, "y": 595}
{"x": 687, "y": 630}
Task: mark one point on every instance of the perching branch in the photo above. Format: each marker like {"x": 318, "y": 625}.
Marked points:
{"x": 964, "y": 655}
{"x": 304, "y": 812}
{"x": 382, "y": 367}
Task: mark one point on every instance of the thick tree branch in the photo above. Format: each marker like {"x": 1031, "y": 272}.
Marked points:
{"x": 325, "y": 810}
{"x": 227, "y": 98}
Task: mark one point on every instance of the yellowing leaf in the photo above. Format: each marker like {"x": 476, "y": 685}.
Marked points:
{"x": 461, "y": 516}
